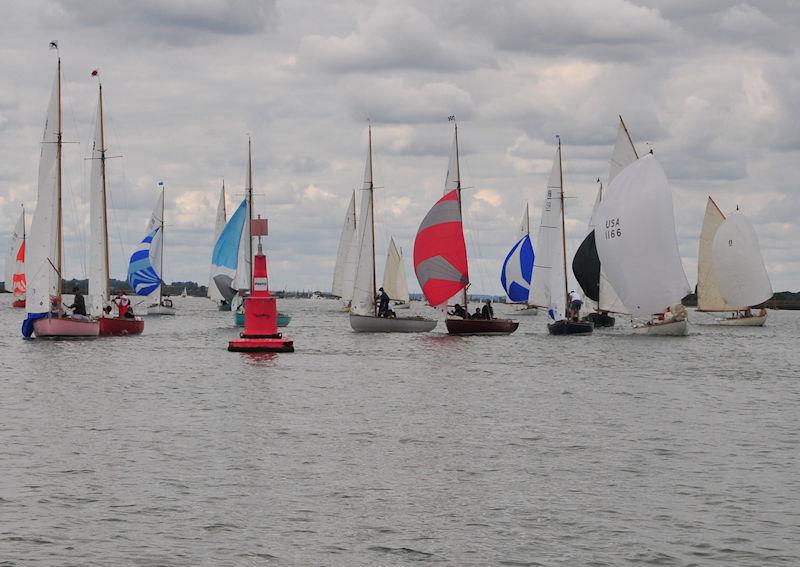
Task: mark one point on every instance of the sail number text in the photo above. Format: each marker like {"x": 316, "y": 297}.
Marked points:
{"x": 613, "y": 229}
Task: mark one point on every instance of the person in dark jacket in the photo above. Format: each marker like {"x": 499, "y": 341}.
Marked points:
{"x": 383, "y": 303}
{"x": 458, "y": 311}
{"x": 78, "y": 304}
{"x": 487, "y": 311}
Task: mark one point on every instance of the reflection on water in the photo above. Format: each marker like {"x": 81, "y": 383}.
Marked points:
{"x": 392, "y": 449}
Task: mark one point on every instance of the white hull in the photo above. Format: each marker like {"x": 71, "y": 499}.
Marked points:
{"x": 160, "y": 310}
{"x": 528, "y": 310}
{"x": 401, "y": 306}
{"x": 754, "y": 321}
{"x": 666, "y": 329}
{"x": 371, "y": 324}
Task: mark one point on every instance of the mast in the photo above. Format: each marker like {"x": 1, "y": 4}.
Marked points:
{"x": 458, "y": 188}
{"x": 527, "y": 218}
{"x": 628, "y": 134}
{"x": 372, "y": 218}
{"x": 103, "y": 198}
{"x": 224, "y": 206}
{"x": 249, "y": 192}
{"x": 58, "y": 195}
{"x": 563, "y": 223}
{"x": 161, "y": 256}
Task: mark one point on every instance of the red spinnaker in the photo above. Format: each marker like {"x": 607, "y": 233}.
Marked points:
{"x": 440, "y": 254}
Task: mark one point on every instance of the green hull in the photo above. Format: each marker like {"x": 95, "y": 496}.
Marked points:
{"x": 283, "y": 319}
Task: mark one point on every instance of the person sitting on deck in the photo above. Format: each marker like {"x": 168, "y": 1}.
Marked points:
{"x": 383, "y": 303}
{"x": 477, "y": 314}
{"x": 487, "y": 311}
{"x": 458, "y": 311}
{"x": 78, "y": 304}
{"x": 123, "y": 304}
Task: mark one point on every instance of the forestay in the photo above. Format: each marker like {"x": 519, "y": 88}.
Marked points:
{"x": 741, "y": 275}
{"x": 636, "y": 239}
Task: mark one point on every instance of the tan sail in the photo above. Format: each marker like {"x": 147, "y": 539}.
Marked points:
{"x": 709, "y": 297}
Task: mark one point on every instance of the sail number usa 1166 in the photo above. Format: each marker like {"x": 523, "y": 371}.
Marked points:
{"x": 613, "y": 229}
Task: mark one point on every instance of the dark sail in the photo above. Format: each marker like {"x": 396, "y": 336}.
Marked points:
{"x": 586, "y": 267}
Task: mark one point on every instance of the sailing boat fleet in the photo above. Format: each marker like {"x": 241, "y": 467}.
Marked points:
{"x": 628, "y": 263}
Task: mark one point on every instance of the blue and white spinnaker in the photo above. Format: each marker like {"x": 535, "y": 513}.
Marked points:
{"x": 518, "y": 270}
{"x": 142, "y": 276}
{"x": 225, "y": 257}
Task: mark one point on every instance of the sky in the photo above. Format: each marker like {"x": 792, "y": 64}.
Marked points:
{"x": 712, "y": 87}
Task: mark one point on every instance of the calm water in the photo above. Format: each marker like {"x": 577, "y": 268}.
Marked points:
{"x": 165, "y": 449}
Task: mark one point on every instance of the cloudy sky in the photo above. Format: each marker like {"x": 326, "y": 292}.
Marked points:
{"x": 712, "y": 86}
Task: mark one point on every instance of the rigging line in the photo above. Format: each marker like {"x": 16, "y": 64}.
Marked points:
{"x": 122, "y": 240}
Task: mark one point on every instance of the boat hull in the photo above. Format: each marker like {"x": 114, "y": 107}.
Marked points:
{"x": 160, "y": 310}
{"x": 481, "y": 326}
{"x": 600, "y": 319}
{"x": 564, "y": 327}
{"x": 401, "y": 306}
{"x": 372, "y": 324}
{"x": 18, "y": 303}
{"x": 667, "y": 329}
{"x": 65, "y": 327}
{"x": 120, "y": 326}
{"x": 754, "y": 321}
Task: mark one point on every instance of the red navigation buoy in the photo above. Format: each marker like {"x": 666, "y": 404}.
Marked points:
{"x": 260, "y": 310}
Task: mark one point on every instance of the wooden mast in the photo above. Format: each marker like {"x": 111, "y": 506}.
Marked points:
{"x": 103, "y": 198}
{"x": 563, "y": 225}
{"x": 372, "y": 218}
{"x": 161, "y": 255}
{"x": 628, "y": 134}
{"x": 59, "y": 227}
{"x": 249, "y": 191}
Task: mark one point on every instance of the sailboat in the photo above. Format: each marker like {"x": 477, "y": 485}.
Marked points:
{"x": 731, "y": 272}
{"x": 15, "y": 262}
{"x": 638, "y": 247}
{"x": 344, "y": 272}
{"x": 213, "y": 292}
{"x": 98, "y": 247}
{"x": 394, "y": 277}
{"x": 44, "y": 265}
{"x": 143, "y": 276}
{"x": 440, "y": 258}
{"x": 549, "y": 285}
{"x": 586, "y": 263}
{"x": 518, "y": 269}
{"x": 244, "y": 263}
{"x": 184, "y": 293}
{"x": 364, "y": 315}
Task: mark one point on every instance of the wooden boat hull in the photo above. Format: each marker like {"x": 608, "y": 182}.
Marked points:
{"x": 481, "y": 326}
{"x": 666, "y": 329}
{"x": 160, "y": 310}
{"x": 372, "y": 324}
{"x": 120, "y": 326}
{"x": 65, "y": 327}
{"x": 527, "y": 311}
{"x": 18, "y": 303}
{"x": 565, "y": 327}
{"x": 283, "y": 319}
{"x": 754, "y": 321}
{"x": 600, "y": 319}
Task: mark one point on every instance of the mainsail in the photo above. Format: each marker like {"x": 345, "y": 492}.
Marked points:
{"x": 741, "y": 275}
{"x": 363, "y": 302}
{"x": 440, "y": 253}
{"x": 145, "y": 262}
{"x": 345, "y": 268}
{"x": 709, "y": 297}
{"x": 213, "y": 292}
{"x": 548, "y": 287}
{"x": 394, "y": 275}
{"x": 15, "y": 260}
{"x": 98, "y": 240}
{"x": 225, "y": 256}
{"x": 637, "y": 243}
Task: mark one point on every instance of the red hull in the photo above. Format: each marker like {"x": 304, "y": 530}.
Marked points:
{"x": 18, "y": 303}
{"x": 65, "y": 327}
{"x": 481, "y": 326}
{"x": 116, "y": 327}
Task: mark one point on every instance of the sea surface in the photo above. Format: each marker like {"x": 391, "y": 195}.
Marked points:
{"x": 611, "y": 449}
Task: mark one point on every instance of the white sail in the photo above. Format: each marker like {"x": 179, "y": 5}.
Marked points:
{"x": 364, "y": 286}
{"x": 156, "y": 247}
{"x": 241, "y": 280}
{"x": 453, "y": 179}
{"x": 741, "y": 275}
{"x": 636, "y": 239}
{"x": 548, "y": 287}
{"x": 624, "y": 152}
{"x": 42, "y": 245}
{"x": 213, "y": 291}
{"x": 525, "y": 225}
{"x": 98, "y": 233}
{"x": 344, "y": 270}
{"x": 394, "y": 275}
{"x": 709, "y": 297}
{"x": 15, "y": 241}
